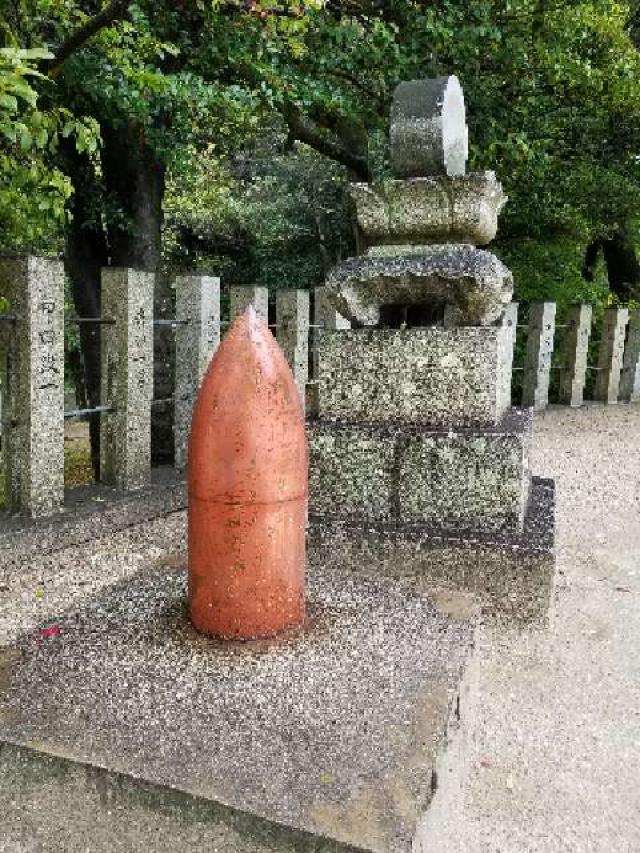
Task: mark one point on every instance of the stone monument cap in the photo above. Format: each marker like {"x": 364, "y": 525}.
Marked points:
{"x": 428, "y": 133}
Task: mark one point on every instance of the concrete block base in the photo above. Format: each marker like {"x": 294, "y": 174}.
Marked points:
{"x": 125, "y": 729}
{"x": 447, "y": 478}
{"x": 509, "y": 574}
{"x": 431, "y": 375}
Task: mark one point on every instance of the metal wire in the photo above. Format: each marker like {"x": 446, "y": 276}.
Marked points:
{"x": 186, "y": 322}
{"x": 8, "y": 318}
{"x": 160, "y": 400}
{"x": 98, "y": 321}
{"x": 96, "y": 410}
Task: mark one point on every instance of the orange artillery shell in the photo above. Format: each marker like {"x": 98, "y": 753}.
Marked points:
{"x": 248, "y": 485}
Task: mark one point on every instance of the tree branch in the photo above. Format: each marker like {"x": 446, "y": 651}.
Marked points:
{"x": 299, "y": 129}
{"x": 117, "y": 10}
{"x": 114, "y": 11}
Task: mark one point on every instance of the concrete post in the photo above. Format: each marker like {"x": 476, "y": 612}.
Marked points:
{"x": 325, "y": 318}
{"x": 127, "y": 377}
{"x": 33, "y": 405}
{"x": 241, "y": 297}
{"x": 575, "y": 349}
{"x": 507, "y": 349}
{"x": 541, "y": 330}
{"x": 614, "y": 324}
{"x": 292, "y": 319}
{"x": 630, "y": 378}
{"x": 198, "y": 302}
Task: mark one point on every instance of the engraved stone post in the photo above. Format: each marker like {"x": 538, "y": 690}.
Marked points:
{"x": 541, "y": 329}
{"x": 630, "y": 378}
{"x": 575, "y": 349}
{"x": 241, "y": 297}
{"x": 127, "y": 377}
{"x": 197, "y": 302}
{"x": 33, "y": 405}
{"x": 614, "y": 324}
{"x": 292, "y": 318}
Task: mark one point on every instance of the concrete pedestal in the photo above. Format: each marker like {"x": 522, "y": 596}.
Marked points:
{"x": 452, "y": 478}
{"x": 124, "y": 729}
{"x": 436, "y": 376}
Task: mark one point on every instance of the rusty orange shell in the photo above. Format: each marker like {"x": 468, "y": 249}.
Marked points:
{"x": 248, "y": 490}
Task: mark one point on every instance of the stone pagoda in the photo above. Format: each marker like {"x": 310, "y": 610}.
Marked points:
{"x": 417, "y": 457}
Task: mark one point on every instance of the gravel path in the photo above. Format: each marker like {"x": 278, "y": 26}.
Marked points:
{"x": 558, "y": 760}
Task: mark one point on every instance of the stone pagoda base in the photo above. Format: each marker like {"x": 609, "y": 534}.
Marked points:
{"x": 432, "y": 375}
{"x": 419, "y": 465}
{"x": 436, "y": 476}
{"x": 509, "y": 573}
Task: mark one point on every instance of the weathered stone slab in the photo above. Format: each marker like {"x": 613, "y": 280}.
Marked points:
{"x": 90, "y": 512}
{"x": 428, "y": 210}
{"x": 428, "y": 133}
{"x": 474, "y": 283}
{"x": 630, "y": 376}
{"x": 241, "y": 297}
{"x": 540, "y": 341}
{"x": 611, "y": 354}
{"x": 70, "y": 807}
{"x": 509, "y": 574}
{"x": 292, "y": 320}
{"x": 452, "y": 377}
{"x": 446, "y": 478}
{"x": 348, "y": 732}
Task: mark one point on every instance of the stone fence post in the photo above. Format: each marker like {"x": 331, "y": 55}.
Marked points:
{"x": 575, "y": 349}
{"x": 541, "y": 330}
{"x": 197, "y": 303}
{"x": 325, "y": 319}
{"x": 510, "y": 330}
{"x": 630, "y": 377}
{"x": 127, "y": 377}
{"x": 241, "y": 297}
{"x": 32, "y": 351}
{"x": 292, "y": 321}
{"x": 614, "y": 325}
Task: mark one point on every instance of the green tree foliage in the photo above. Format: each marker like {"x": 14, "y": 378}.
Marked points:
{"x": 33, "y": 189}
{"x": 551, "y": 89}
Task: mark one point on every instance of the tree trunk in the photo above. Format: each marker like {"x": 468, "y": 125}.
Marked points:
{"x": 623, "y": 269}
{"x": 86, "y": 254}
{"x": 134, "y": 183}
{"x": 136, "y": 178}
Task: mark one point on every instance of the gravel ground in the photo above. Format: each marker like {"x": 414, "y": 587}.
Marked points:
{"x": 558, "y": 761}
